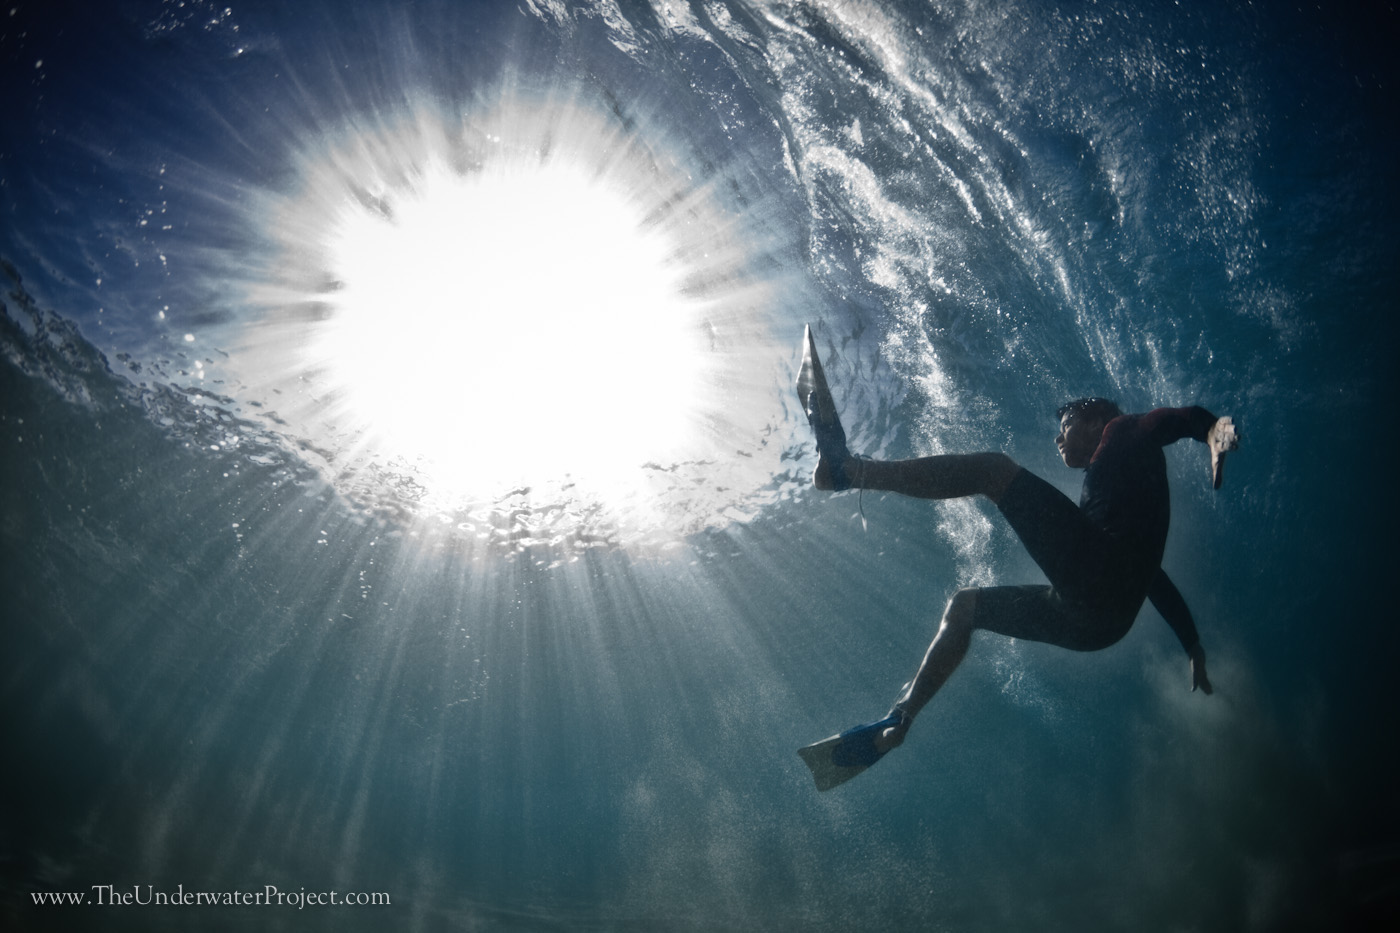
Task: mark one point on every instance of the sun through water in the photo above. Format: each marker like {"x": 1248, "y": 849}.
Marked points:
{"x": 531, "y": 324}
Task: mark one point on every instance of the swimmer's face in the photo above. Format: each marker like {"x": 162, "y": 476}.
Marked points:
{"x": 1078, "y": 439}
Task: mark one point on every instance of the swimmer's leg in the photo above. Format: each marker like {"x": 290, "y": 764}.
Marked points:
{"x": 1027, "y": 613}
{"x": 944, "y": 655}
{"x": 1058, "y": 535}
{"x": 950, "y": 476}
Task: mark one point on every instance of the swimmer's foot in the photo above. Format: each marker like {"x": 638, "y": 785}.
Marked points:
{"x": 860, "y": 747}
{"x": 893, "y": 735}
{"x": 834, "y": 458}
{"x": 829, "y": 479}
{"x": 837, "y": 759}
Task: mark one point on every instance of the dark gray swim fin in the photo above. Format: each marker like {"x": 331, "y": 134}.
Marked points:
{"x": 820, "y": 408}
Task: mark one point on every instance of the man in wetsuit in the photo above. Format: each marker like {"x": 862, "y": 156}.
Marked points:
{"x": 1102, "y": 557}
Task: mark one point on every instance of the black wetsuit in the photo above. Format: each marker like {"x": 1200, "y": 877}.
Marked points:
{"x": 1102, "y": 557}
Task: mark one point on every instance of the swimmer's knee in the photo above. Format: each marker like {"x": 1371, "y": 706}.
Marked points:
{"x": 998, "y": 470}
{"x": 962, "y": 609}
{"x": 967, "y": 597}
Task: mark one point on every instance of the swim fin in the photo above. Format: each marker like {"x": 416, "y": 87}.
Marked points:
{"x": 838, "y": 759}
{"x": 820, "y": 407}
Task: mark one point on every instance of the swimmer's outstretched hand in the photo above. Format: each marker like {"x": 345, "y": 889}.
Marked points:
{"x": 1222, "y": 437}
{"x": 1199, "y": 680}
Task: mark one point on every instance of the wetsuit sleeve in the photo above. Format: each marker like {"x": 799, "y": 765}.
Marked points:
{"x": 1169, "y": 602}
{"x": 1169, "y": 425}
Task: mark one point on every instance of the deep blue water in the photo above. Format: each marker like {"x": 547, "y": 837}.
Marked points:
{"x": 241, "y": 650}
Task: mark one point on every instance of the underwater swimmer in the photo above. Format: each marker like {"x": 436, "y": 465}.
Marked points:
{"x": 1102, "y": 556}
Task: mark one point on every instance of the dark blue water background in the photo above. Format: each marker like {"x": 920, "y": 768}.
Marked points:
{"x": 224, "y": 671}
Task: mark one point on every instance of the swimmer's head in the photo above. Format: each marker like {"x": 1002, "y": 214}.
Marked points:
{"x": 1081, "y": 427}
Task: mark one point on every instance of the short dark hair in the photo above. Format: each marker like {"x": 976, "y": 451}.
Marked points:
{"x": 1093, "y": 407}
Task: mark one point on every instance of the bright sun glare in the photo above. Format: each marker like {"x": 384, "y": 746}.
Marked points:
{"x": 511, "y": 326}
{"x": 526, "y": 319}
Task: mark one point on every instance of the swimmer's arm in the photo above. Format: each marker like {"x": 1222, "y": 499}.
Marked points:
{"x": 1169, "y": 425}
{"x": 1172, "y": 605}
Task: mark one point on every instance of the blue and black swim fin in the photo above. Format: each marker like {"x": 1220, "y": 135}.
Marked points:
{"x": 820, "y": 407}
{"x": 838, "y": 759}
